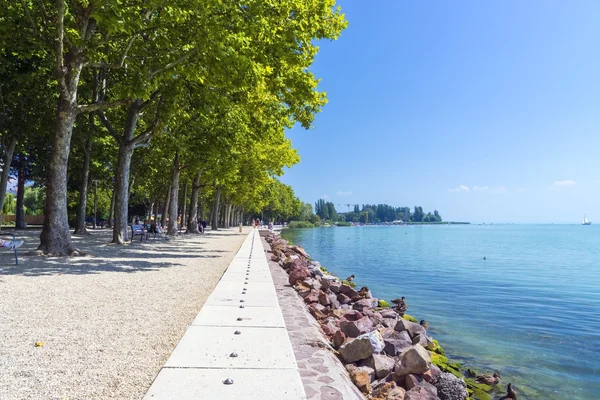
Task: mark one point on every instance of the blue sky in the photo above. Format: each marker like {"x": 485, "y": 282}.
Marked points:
{"x": 486, "y": 111}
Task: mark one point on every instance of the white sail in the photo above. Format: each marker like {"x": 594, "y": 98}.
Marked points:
{"x": 585, "y": 220}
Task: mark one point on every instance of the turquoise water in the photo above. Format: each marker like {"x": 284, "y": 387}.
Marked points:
{"x": 531, "y": 310}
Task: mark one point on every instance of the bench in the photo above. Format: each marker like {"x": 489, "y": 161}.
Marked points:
{"x": 138, "y": 230}
{"x": 12, "y": 235}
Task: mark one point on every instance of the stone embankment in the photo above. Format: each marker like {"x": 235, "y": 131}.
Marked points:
{"x": 387, "y": 356}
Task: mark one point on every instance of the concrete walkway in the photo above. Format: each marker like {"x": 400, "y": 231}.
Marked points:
{"x": 237, "y": 346}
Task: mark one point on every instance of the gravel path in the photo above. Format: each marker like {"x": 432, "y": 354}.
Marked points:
{"x": 108, "y": 321}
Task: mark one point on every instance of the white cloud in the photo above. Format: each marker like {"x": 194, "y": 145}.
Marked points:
{"x": 340, "y": 193}
{"x": 325, "y": 197}
{"x": 480, "y": 188}
{"x": 562, "y": 184}
{"x": 461, "y": 188}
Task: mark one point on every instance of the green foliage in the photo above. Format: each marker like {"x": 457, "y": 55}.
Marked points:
{"x": 351, "y": 284}
{"x": 343, "y": 223}
{"x": 300, "y": 224}
{"x": 381, "y": 213}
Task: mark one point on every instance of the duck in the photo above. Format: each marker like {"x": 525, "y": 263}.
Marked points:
{"x": 350, "y": 278}
{"x": 489, "y": 379}
{"x": 510, "y": 393}
{"x": 400, "y": 303}
{"x": 363, "y": 292}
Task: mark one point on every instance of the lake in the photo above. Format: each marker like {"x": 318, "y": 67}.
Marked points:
{"x": 530, "y": 310}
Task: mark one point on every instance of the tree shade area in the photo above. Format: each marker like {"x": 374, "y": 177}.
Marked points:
{"x": 175, "y": 109}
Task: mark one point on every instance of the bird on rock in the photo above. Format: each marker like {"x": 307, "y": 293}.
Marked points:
{"x": 364, "y": 292}
{"x": 350, "y": 278}
{"x": 489, "y": 379}
{"x": 510, "y": 393}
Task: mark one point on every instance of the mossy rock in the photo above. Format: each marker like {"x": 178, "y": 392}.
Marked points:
{"x": 410, "y": 318}
{"x": 437, "y": 348}
{"x": 383, "y": 303}
{"x": 351, "y": 284}
{"x": 322, "y": 268}
{"x": 445, "y": 365}
{"x": 479, "y": 391}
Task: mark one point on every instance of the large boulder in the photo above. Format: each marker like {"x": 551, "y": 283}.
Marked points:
{"x": 413, "y": 360}
{"x": 362, "y": 347}
{"x": 293, "y": 263}
{"x": 449, "y": 387}
{"x": 298, "y": 274}
{"x": 324, "y": 299}
{"x": 335, "y": 286}
{"x": 389, "y": 314}
{"x": 424, "y": 391}
{"x": 348, "y": 315}
{"x": 348, "y": 291}
{"x": 315, "y": 312}
{"x": 382, "y": 364}
{"x": 356, "y": 328}
{"x": 396, "y": 342}
{"x": 299, "y": 250}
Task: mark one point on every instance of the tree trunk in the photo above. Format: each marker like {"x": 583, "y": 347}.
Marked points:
{"x": 121, "y": 205}
{"x": 20, "y": 214}
{"x": 111, "y": 212}
{"x": 214, "y": 225}
{"x": 184, "y": 211}
{"x": 55, "y": 238}
{"x": 156, "y": 212}
{"x": 83, "y": 190}
{"x": 165, "y": 215}
{"x": 174, "y": 206}
{"x": 6, "y": 161}
{"x": 192, "y": 226}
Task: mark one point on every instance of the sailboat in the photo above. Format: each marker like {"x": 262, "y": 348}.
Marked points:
{"x": 585, "y": 220}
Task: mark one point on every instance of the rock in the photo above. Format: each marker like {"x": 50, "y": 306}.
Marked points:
{"x": 382, "y": 364}
{"x": 348, "y": 291}
{"x": 334, "y": 303}
{"x": 342, "y": 298}
{"x": 329, "y": 329}
{"x": 449, "y": 387}
{"x": 397, "y": 393}
{"x": 396, "y": 343}
{"x": 300, "y": 251}
{"x": 369, "y": 371}
{"x": 338, "y": 339}
{"x": 334, "y": 286}
{"x": 361, "y": 380}
{"x": 389, "y": 314}
{"x": 413, "y": 360}
{"x": 312, "y": 297}
{"x": 411, "y": 381}
{"x": 412, "y": 328}
{"x": 356, "y": 328}
{"x": 362, "y": 347}
{"x": 314, "y": 263}
{"x": 362, "y": 304}
{"x": 313, "y": 283}
{"x": 315, "y": 271}
{"x": 427, "y": 375}
{"x": 324, "y": 299}
{"x": 381, "y": 388}
{"x": 315, "y": 312}
{"x": 350, "y": 315}
{"x": 424, "y": 391}
{"x": 435, "y": 371}
{"x": 298, "y": 274}
{"x": 302, "y": 289}
{"x": 324, "y": 283}
{"x": 293, "y": 263}
{"x": 388, "y": 322}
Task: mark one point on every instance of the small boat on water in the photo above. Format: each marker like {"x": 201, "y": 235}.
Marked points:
{"x": 585, "y": 220}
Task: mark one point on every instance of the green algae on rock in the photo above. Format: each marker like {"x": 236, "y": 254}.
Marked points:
{"x": 410, "y": 318}
{"x": 383, "y": 304}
